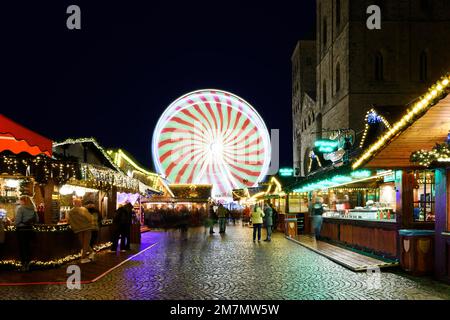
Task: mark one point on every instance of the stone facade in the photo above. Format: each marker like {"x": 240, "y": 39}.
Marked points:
{"x": 303, "y": 95}
{"x": 358, "y": 68}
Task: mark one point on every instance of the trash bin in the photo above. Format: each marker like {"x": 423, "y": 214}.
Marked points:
{"x": 291, "y": 225}
{"x": 417, "y": 251}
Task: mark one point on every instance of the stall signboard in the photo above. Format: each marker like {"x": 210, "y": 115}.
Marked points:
{"x": 389, "y": 177}
{"x": 326, "y": 145}
{"x": 286, "y": 172}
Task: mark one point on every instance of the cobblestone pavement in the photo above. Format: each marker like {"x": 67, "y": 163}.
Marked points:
{"x": 199, "y": 266}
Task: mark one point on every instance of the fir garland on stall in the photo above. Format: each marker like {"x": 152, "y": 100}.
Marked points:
{"x": 440, "y": 153}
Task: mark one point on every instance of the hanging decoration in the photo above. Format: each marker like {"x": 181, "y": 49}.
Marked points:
{"x": 41, "y": 168}
{"x": 440, "y": 153}
{"x": 373, "y": 118}
{"x": 313, "y": 158}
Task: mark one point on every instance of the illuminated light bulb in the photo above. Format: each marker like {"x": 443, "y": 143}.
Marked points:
{"x": 445, "y": 82}
{"x": 434, "y": 93}
{"x": 439, "y": 87}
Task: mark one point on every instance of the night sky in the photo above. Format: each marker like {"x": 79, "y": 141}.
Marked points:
{"x": 113, "y": 78}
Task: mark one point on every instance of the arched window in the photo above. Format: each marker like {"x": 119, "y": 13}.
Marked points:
{"x": 324, "y": 92}
{"x": 338, "y": 13}
{"x": 338, "y": 77}
{"x": 309, "y": 120}
{"x": 423, "y": 66}
{"x": 324, "y": 33}
{"x": 379, "y": 66}
{"x": 313, "y": 116}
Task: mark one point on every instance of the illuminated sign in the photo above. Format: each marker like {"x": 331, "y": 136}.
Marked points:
{"x": 326, "y": 146}
{"x": 286, "y": 172}
{"x": 340, "y": 180}
{"x": 361, "y": 174}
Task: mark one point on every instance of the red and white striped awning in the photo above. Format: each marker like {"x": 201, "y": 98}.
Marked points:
{"x": 17, "y": 139}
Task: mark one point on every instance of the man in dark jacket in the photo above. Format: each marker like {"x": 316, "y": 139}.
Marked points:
{"x": 268, "y": 220}
{"x": 122, "y": 226}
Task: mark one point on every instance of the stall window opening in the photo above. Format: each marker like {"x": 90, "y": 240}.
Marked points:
{"x": 424, "y": 196}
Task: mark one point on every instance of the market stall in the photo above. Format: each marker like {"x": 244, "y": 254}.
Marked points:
{"x": 359, "y": 208}
{"x": 26, "y": 168}
{"x": 417, "y": 147}
{"x": 191, "y": 201}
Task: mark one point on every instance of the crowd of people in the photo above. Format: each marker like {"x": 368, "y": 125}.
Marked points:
{"x": 85, "y": 221}
{"x": 256, "y": 215}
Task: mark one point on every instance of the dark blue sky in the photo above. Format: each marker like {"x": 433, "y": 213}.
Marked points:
{"x": 114, "y": 78}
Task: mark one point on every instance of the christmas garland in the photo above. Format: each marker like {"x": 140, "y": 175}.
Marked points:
{"x": 440, "y": 153}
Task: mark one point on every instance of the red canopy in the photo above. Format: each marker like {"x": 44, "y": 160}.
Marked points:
{"x": 15, "y": 138}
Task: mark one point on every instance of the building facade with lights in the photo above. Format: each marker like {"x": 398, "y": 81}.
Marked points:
{"x": 358, "y": 68}
{"x": 391, "y": 198}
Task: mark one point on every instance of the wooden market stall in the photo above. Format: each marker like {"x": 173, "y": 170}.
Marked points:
{"x": 375, "y": 198}
{"x": 417, "y": 148}
{"x": 27, "y": 168}
{"x": 190, "y": 202}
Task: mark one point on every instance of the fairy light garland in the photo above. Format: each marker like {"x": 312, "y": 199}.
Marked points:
{"x": 102, "y": 178}
{"x": 53, "y": 228}
{"x": 435, "y": 93}
{"x": 54, "y": 262}
{"x": 369, "y": 114}
{"x": 41, "y": 168}
{"x": 88, "y": 140}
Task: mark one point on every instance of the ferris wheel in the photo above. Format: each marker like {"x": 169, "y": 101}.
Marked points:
{"x": 212, "y": 137}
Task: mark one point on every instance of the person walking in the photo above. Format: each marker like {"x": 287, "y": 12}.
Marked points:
{"x": 274, "y": 217}
{"x": 212, "y": 219}
{"x": 268, "y": 212}
{"x": 80, "y": 221}
{"x": 257, "y": 221}
{"x": 246, "y": 213}
{"x": 222, "y": 214}
{"x": 96, "y": 222}
{"x": 317, "y": 219}
{"x": 26, "y": 217}
{"x": 122, "y": 227}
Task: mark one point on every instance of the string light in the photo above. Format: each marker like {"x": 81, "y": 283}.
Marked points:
{"x": 440, "y": 153}
{"x": 54, "y": 262}
{"x": 42, "y": 169}
{"x": 419, "y": 108}
{"x": 372, "y": 117}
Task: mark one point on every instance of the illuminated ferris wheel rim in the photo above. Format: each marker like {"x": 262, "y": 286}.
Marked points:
{"x": 181, "y": 103}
